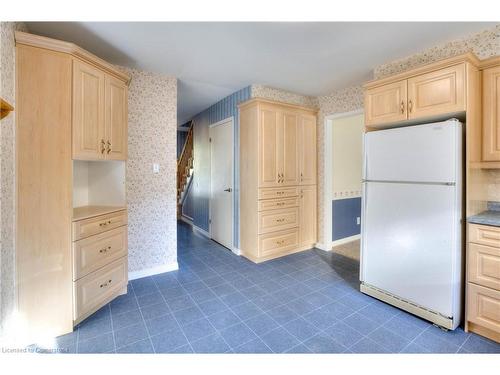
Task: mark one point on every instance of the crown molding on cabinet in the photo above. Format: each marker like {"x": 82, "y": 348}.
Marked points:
{"x": 490, "y": 62}
{"x": 450, "y": 61}
{"x": 69, "y": 48}
{"x": 252, "y": 101}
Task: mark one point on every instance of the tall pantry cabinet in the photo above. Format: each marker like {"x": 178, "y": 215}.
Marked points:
{"x": 71, "y": 217}
{"x": 277, "y": 179}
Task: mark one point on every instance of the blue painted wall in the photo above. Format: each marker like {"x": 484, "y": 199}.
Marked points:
{"x": 198, "y": 195}
{"x": 345, "y": 212}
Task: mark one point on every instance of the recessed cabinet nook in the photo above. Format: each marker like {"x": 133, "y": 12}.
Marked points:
{"x": 469, "y": 89}
{"x": 71, "y": 146}
{"x": 277, "y": 179}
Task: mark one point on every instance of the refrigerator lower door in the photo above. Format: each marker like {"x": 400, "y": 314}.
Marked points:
{"x": 411, "y": 243}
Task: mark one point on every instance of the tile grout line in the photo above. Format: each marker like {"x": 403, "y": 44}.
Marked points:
{"x": 143, "y": 321}
{"x": 112, "y": 327}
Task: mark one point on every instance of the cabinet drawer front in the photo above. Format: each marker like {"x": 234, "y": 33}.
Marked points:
{"x": 270, "y": 221}
{"x": 278, "y": 242}
{"x": 484, "y": 265}
{"x": 98, "y": 224}
{"x": 98, "y": 288}
{"x": 94, "y": 252}
{"x": 283, "y": 192}
{"x": 273, "y": 204}
{"x": 436, "y": 93}
{"x": 483, "y": 306}
{"x": 484, "y": 235}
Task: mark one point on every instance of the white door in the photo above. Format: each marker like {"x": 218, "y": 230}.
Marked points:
{"x": 421, "y": 153}
{"x": 221, "y": 182}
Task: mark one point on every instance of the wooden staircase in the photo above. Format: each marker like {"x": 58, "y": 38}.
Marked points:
{"x": 184, "y": 170}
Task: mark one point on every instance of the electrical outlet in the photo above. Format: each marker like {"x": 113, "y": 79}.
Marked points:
{"x": 358, "y": 220}
{"x": 156, "y": 168}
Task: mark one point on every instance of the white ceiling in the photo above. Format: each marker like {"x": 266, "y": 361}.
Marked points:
{"x": 214, "y": 59}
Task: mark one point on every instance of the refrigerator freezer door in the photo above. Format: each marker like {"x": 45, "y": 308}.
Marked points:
{"x": 411, "y": 243}
{"x": 422, "y": 153}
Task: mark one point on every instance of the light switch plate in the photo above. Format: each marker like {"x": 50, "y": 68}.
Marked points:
{"x": 358, "y": 220}
{"x": 156, "y": 168}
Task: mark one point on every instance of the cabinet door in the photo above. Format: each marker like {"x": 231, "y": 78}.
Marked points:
{"x": 290, "y": 149}
{"x": 269, "y": 148}
{"x": 88, "y": 112}
{"x": 437, "y": 93}
{"x": 307, "y": 150}
{"x": 386, "y": 104}
{"x": 308, "y": 235}
{"x": 491, "y": 114}
{"x": 116, "y": 119}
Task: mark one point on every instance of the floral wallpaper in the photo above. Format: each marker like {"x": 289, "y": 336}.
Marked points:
{"x": 261, "y": 91}
{"x": 7, "y": 168}
{"x": 151, "y": 198}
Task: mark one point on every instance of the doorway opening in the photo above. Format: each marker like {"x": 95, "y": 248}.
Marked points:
{"x": 221, "y": 212}
{"x": 343, "y": 179}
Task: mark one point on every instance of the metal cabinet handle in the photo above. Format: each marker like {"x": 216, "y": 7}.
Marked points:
{"x": 103, "y": 146}
{"x": 410, "y": 106}
{"x": 109, "y": 147}
{"x": 228, "y": 190}
{"x": 105, "y": 284}
{"x": 402, "y": 106}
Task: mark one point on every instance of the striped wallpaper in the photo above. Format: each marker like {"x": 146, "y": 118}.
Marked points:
{"x": 197, "y": 205}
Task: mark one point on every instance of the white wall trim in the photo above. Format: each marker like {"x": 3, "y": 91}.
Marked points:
{"x": 222, "y": 122}
{"x": 174, "y": 266}
{"x": 203, "y": 232}
{"x": 236, "y": 251}
{"x": 328, "y": 175}
{"x": 345, "y": 240}
{"x": 186, "y": 219}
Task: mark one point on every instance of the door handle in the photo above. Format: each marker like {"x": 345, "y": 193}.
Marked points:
{"x": 228, "y": 190}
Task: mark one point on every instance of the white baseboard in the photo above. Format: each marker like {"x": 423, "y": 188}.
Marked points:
{"x": 186, "y": 219}
{"x": 174, "y": 266}
{"x": 236, "y": 251}
{"x": 203, "y": 232}
{"x": 328, "y": 247}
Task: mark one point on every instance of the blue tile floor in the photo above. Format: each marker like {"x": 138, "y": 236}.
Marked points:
{"x": 221, "y": 303}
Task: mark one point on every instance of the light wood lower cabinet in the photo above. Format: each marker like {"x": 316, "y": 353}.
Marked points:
{"x": 483, "y": 281}
{"x": 277, "y": 179}
{"x": 98, "y": 288}
{"x": 96, "y": 251}
{"x": 99, "y": 224}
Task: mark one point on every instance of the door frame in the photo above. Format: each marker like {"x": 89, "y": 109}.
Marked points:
{"x": 328, "y": 179}
{"x": 223, "y": 122}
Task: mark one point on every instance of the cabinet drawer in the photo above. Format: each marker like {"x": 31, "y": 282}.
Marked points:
{"x": 283, "y": 192}
{"x": 273, "y": 204}
{"x": 94, "y": 252}
{"x": 278, "y": 242}
{"x": 483, "y": 307}
{"x": 484, "y": 235}
{"x": 271, "y": 221}
{"x": 98, "y": 288}
{"x": 99, "y": 224}
{"x": 484, "y": 265}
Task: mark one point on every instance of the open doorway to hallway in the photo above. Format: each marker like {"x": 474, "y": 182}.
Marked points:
{"x": 345, "y": 143}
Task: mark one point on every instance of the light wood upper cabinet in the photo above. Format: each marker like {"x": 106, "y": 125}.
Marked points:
{"x": 438, "y": 92}
{"x": 116, "y": 119}
{"x": 290, "y": 153}
{"x": 307, "y": 150}
{"x": 307, "y": 214}
{"x": 386, "y": 104}
{"x": 491, "y": 114}
{"x": 269, "y": 148}
{"x": 88, "y": 112}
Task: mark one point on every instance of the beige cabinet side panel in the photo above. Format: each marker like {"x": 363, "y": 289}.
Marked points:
{"x": 88, "y": 112}
{"x": 116, "y": 108}
{"x": 308, "y": 218}
{"x": 44, "y": 192}
{"x": 491, "y": 114}
{"x": 307, "y": 150}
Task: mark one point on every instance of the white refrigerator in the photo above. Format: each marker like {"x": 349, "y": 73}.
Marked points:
{"x": 411, "y": 234}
